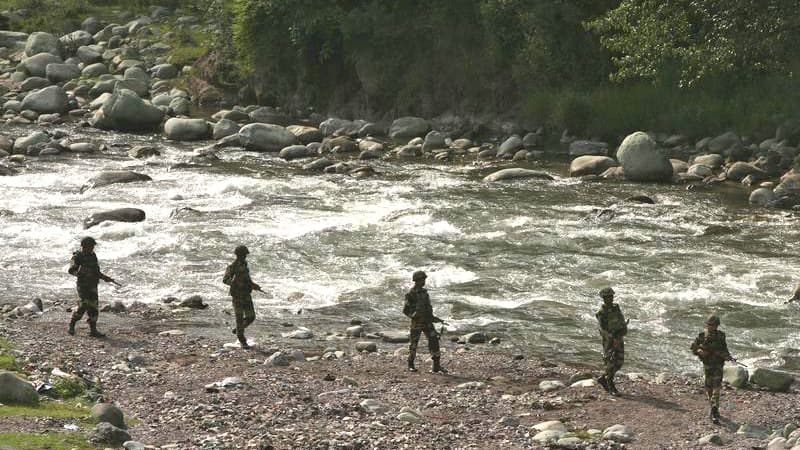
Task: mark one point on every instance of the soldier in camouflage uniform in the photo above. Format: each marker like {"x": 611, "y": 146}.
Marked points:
{"x": 237, "y": 276}
{"x": 418, "y": 308}
{"x": 85, "y": 267}
{"x": 711, "y": 348}
{"x": 613, "y": 327}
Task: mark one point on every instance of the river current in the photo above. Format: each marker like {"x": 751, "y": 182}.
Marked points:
{"x": 521, "y": 260}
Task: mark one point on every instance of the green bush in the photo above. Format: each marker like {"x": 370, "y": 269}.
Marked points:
{"x": 69, "y": 387}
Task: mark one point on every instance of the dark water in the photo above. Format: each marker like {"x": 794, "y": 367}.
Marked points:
{"x": 522, "y": 260}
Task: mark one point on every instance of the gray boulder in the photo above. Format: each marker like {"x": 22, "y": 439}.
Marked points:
{"x": 76, "y": 39}
{"x": 516, "y": 173}
{"x": 180, "y": 106}
{"x": 136, "y": 73}
{"x": 296, "y": 152}
{"x": 186, "y": 129}
{"x": 588, "y": 148}
{"x": 641, "y": 160}
{"x": 58, "y": 73}
{"x": 137, "y": 86}
{"x": 21, "y": 145}
{"x": 113, "y": 177}
{"x": 16, "y": 391}
{"x": 94, "y": 70}
{"x": 224, "y": 128}
{"x": 477, "y": 337}
{"x": 164, "y": 71}
{"x": 679, "y": 166}
{"x": 109, "y": 434}
{"x": 333, "y": 124}
{"x": 736, "y": 375}
{"x": 125, "y": 111}
{"x": 318, "y": 165}
{"x": 366, "y": 346}
{"x": 108, "y": 412}
{"x": 409, "y": 127}
{"x": 36, "y": 65}
{"x": 143, "y": 151}
{"x": 789, "y": 185}
{"x": 532, "y": 141}
{"x": 33, "y": 83}
{"x": 12, "y": 39}
{"x": 266, "y": 137}
{"x": 590, "y": 165}
{"x": 48, "y": 100}
{"x": 40, "y": 42}
{"x": 772, "y": 380}
{"x": 266, "y": 114}
{"x": 713, "y": 161}
{"x": 739, "y": 170}
{"x": 91, "y": 25}
{"x": 89, "y": 54}
{"x": 305, "y": 134}
{"x": 725, "y": 143}
{"x": 434, "y": 140}
{"x": 762, "y": 197}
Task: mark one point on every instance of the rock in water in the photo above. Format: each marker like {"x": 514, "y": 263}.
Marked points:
{"x": 125, "y": 111}
{"x": 186, "y": 129}
{"x": 112, "y": 177}
{"x": 266, "y": 137}
{"x": 641, "y": 160}
{"x": 115, "y": 215}
{"x": 590, "y": 165}
{"x": 516, "y": 173}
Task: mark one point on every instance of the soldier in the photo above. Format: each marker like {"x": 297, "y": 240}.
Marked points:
{"x": 84, "y": 265}
{"x": 711, "y": 348}
{"x": 613, "y": 327}
{"x": 237, "y": 276}
{"x": 418, "y": 308}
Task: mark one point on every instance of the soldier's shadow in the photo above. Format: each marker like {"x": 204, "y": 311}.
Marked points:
{"x": 655, "y": 402}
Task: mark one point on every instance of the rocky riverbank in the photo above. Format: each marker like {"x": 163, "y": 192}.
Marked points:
{"x": 183, "y": 383}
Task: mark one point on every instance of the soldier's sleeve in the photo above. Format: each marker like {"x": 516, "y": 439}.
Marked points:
{"x": 74, "y": 264}
{"x": 697, "y": 343}
{"x": 723, "y": 348}
{"x": 624, "y": 329}
{"x": 228, "y": 277}
{"x": 409, "y": 305}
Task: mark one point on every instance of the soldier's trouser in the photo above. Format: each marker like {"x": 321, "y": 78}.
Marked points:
{"x": 244, "y": 312}
{"x": 713, "y": 385}
{"x": 430, "y": 334}
{"x": 613, "y": 357}
{"x": 88, "y": 303}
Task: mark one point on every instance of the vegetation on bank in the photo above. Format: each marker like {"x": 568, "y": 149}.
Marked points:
{"x": 599, "y": 68}
{"x": 55, "y": 409}
{"x": 48, "y": 440}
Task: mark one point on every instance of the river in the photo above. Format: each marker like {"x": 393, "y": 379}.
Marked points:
{"x": 521, "y": 260}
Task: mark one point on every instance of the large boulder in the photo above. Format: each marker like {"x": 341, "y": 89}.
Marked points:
{"x": 641, "y": 160}
{"x": 588, "y": 148}
{"x": 40, "y": 42}
{"x": 76, "y": 39}
{"x": 125, "y": 111}
{"x": 164, "y": 71}
{"x": 590, "y": 165}
{"x": 58, "y": 73}
{"x": 109, "y": 434}
{"x": 409, "y": 127}
{"x": 735, "y": 375}
{"x": 36, "y": 65}
{"x": 266, "y": 137}
{"x": 790, "y": 185}
{"x": 108, "y": 412}
{"x": 12, "y": 39}
{"x": 516, "y": 173}
{"x": 186, "y": 129}
{"x": 762, "y": 197}
{"x": 16, "y": 391}
{"x": 510, "y": 146}
{"x": 296, "y": 152}
{"x": 772, "y": 380}
{"x": 21, "y": 145}
{"x": 739, "y": 170}
{"x": 51, "y": 99}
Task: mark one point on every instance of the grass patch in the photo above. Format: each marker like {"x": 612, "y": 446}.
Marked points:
{"x": 55, "y": 409}
{"x": 7, "y": 360}
{"x": 69, "y": 387}
{"x": 49, "y": 440}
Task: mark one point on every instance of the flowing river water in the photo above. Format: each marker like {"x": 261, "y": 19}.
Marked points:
{"x": 521, "y": 260}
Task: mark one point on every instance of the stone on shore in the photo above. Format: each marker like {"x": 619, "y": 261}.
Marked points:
{"x": 296, "y": 152}
{"x": 107, "y": 433}
{"x": 713, "y": 161}
{"x": 178, "y": 129}
{"x": 366, "y": 346}
{"x": 618, "y": 433}
{"x": 305, "y": 134}
{"x": 36, "y": 65}
{"x": 278, "y": 359}
{"x": 590, "y": 165}
{"x": 41, "y": 42}
{"x": 16, "y": 391}
{"x": 125, "y": 111}
{"x": 642, "y": 161}
{"x": 58, "y": 73}
{"x": 739, "y": 170}
{"x": 409, "y": 127}
{"x": 94, "y": 70}
{"x": 21, "y": 145}
{"x": 107, "y": 412}
{"x": 772, "y": 380}
{"x": 477, "y": 337}
{"x": 265, "y": 137}
{"x": 736, "y": 375}
{"x": 224, "y": 128}
{"x": 516, "y": 173}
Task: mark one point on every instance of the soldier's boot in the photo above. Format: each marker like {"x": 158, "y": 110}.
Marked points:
{"x": 411, "y": 367}
{"x": 93, "y": 331}
{"x": 243, "y": 341}
{"x": 71, "y": 330}
{"x": 715, "y": 415}
{"x": 602, "y": 382}
{"x": 612, "y": 388}
{"x": 437, "y": 367}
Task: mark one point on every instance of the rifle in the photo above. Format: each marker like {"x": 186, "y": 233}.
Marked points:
{"x": 113, "y": 281}
{"x": 734, "y": 360}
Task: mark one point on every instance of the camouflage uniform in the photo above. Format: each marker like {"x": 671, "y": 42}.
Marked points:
{"x": 612, "y": 330}
{"x": 716, "y": 353}
{"x": 418, "y": 307}
{"x": 237, "y": 276}
{"x": 85, "y": 266}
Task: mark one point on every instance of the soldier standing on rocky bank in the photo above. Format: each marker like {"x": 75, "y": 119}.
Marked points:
{"x": 613, "y": 327}
{"x": 84, "y": 265}
{"x": 711, "y": 348}
{"x": 237, "y": 276}
{"x": 418, "y": 308}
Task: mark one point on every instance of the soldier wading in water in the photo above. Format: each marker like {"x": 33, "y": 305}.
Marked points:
{"x": 613, "y": 327}
{"x": 418, "y": 308}
{"x": 85, "y": 267}
{"x": 237, "y": 276}
{"x": 711, "y": 348}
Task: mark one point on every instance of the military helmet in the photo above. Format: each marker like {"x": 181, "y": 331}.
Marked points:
{"x": 712, "y": 320}
{"x": 88, "y": 241}
{"x": 241, "y": 251}
{"x": 606, "y": 292}
{"x": 418, "y": 275}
